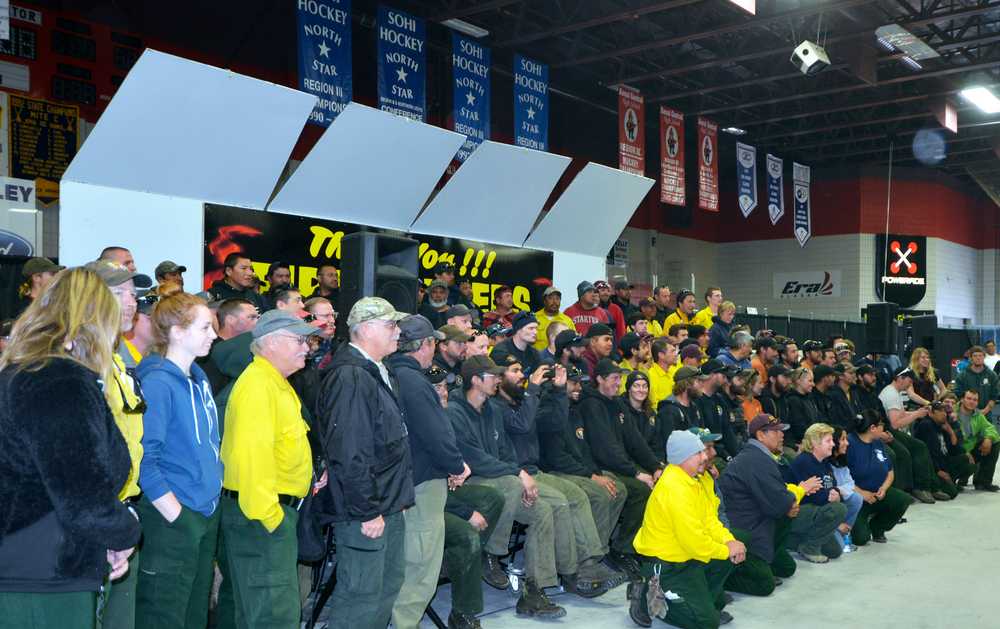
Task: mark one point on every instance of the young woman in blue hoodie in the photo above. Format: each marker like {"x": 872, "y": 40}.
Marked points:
{"x": 181, "y": 473}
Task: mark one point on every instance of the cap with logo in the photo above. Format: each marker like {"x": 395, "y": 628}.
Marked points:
{"x": 842, "y": 368}
{"x": 168, "y": 266}
{"x": 372, "y": 309}
{"x": 40, "y": 265}
{"x": 705, "y": 435}
{"x": 599, "y": 284}
{"x": 765, "y": 422}
{"x": 416, "y": 328}
{"x": 903, "y": 372}
{"x": 552, "y": 290}
{"x": 275, "y": 320}
{"x": 115, "y": 275}
{"x": 574, "y": 374}
{"x": 444, "y": 267}
{"x": 812, "y": 346}
{"x": 687, "y": 372}
{"x": 683, "y": 294}
{"x": 479, "y": 365}
{"x": 569, "y": 338}
{"x": 453, "y": 333}
{"x": 435, "y": 375}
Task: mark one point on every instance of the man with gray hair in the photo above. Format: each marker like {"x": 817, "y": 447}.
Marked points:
{"x": 738, "y": 352}
{"x": 437, "y": 465}
{"x": 368, "y": 453}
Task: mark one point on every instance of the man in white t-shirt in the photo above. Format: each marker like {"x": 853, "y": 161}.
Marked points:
{"x": 992, "y": 358}
{"x": 893, "y": 398}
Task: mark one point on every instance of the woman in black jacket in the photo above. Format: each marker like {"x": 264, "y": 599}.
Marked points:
{"x": 639, "y": 410}
{"x": 801, "y": 409}
{"x": 63, "y": 460}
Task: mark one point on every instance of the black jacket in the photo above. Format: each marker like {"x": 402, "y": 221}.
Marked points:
{"x": 221, "y": 291}
{"x": 718, "y": 336}
{"x": 436, "y": 318}
{"x": 802, "y": 414}
{"x": 823, "y": 403}
{"x": 519, "y": 422}
{"x": 365, "y": 440}
{"x": 63, "y": 462}
{"x": 936, "y": 440}
{"x": 717, "y": 412}
{"x": 772, "y": 405}
{"x": 614, "y": 443}
{"x": 843, "y": 410}
{"x": 433, "y": 448}
{"x": 756, "y": 496}
{"x": 482, "y": 439}
{"x": 867, "y": 400}
{"x": 671, "y": 415}
{"x": 646, "y": 425}
{"x": 562, "y": 439}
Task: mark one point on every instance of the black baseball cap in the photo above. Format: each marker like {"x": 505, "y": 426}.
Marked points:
{"x": 822, "y": 371}
{"x": 864, "y": 369}
{"x": 606, "y": 367}
{"x": 811, "y": 346}
{"x": 599, "y": 329}
{"x": 569, "y": 338}
{"x": 903, "y": 372}
{"x": 479, "y": 365}
{"x": 713, "y": 366}
{"x": 766, "y": 341}
{"x": 778, "y": 370}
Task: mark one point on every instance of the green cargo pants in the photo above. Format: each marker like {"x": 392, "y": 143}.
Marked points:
{"x": 463, "y": 545}
{"x": 48, "y": 610}
{"x": 985, "y": 465}
{"x": 880, "y": 516}
{"x": 119, "y": 610}
{"x": 699, "y": 587}
{"x": 812, "y": 530}
{"x": 637, "y": 494}
{"x": 423, "y": 549}
{"x": 585, "y": 534}
{"x": 370, "y": 573}
{"x": 175, "y": 569}
{"x": 262, "y": 568}
{"x": 605, "y": 508}
{"x": 755, "y": 576}
{"x": 921, "y": 468}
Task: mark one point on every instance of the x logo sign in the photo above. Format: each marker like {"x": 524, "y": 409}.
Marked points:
{"x": 911, "y": 248}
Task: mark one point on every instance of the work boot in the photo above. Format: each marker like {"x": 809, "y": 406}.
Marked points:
{"x": 636, "y": 594}
{"x": 534, "y": 603}
{"x": 458, "y": 620}
{"x": 940, "y": 495}
{"x": 923, "y": 496}
{"x": 725, "y": 618}
{"x": 990, "y": 488}
{"x": 493, "y": 572}
{"x": 594, "y": 570}
{"x": 587, "y": 588}
{"x": 813, "y": 555}
{"x": 626, "y": 563}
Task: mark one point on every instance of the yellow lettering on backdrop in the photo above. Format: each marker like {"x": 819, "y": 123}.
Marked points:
{"x": 321, "y": 236}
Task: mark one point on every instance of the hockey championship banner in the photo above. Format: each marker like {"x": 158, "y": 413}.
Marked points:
{"x": 672, "y": 157}
{"x": 746, "y": 177}
{"x": 631, "y": 131}
{"x": 803, "y": 213}
{"x": 470, "y": 69}
{"x": 708, "y": 165}
{"x": 775, "y": 188}
{"x": 402, "y": 64}
{"x": 324, "y": 29}
{"x": 531, "y": 103}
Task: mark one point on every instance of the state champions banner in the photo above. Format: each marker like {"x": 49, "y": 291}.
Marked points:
{"x": 708, "y": 165}
{"x": 775, "y": 188}
{"x": 305, "y": 243}
{"x": 324, "y": 29}
{"x": 631, "y": 131}
{"x": 672, "y": 182}
{"x": 402, "y": 63}
{"x": 746, "y": 177}
{"x": 470, "y": 68}
{"x": 531, "y": 103}
{"x": 803, "y": 212}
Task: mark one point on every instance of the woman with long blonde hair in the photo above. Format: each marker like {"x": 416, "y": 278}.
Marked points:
{"x": 927, "y": 386}
{"x": 63, "y": 460}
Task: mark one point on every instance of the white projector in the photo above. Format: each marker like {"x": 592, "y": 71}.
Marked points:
{"x": 810, "y": 58}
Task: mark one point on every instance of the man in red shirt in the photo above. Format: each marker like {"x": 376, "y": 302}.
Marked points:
{"x": 587, "y": 310}
{"x": 604, "y": 294}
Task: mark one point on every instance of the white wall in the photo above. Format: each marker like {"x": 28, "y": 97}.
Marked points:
{"x": 154, "y": 227}
{"x": 569, "y": 269}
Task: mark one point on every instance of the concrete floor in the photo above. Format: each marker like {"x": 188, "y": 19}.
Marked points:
{"x": 906, "y": 583}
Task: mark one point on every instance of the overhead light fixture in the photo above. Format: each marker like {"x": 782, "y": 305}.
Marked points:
{"x": 983, "y": 99}
{"x": 464, "y": 27}
{"x": 893, "y": 37}
{"x": 734, "y": 131}
{"x": 911, "y": 64}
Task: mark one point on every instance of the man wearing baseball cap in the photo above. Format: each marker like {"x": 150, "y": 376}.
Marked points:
{"x": 684, "y": 542}
{"x": 760, "y": 503}
{"x": 569, "y": 346}
{"x": 368, "y": 454}
{"x": 587, "y": 310}
{"x": 685, "y": 312}
{"x": 623, "y": 298}
{"x": 900, "y": 419}
{"x": 716, "y": 408}
{"x": 604, "y": 298}
{"x": 772, "y": 398}
{"x": 549, "y": 313}
{"x": 460, "y": 316}
{"x": 451, "y": 352}
{"x": 170, "y": 271}
{"x": 435, "y": 306}
{"x": 437, "y": 464}
{"x": 267, "y": 471}
{"x": 37, "y": 273}
{"x": 767, "y": 355}
{"x": 681, "y": 410}
{"x": 600, "y": 345}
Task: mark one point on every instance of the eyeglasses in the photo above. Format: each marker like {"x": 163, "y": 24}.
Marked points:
{"x": 297, "y": 338}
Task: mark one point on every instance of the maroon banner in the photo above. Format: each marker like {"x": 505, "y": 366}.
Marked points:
{"x": 631, "y": 131}
{"x": 671, "y": 157}
{"x": 708, "y": 165}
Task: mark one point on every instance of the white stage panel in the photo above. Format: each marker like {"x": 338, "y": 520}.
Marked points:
{"x": 186, "y": 129}
{"x": 495, "y": 196}
{"x": 370, "y": 167}
{"x": 592, "y": 212}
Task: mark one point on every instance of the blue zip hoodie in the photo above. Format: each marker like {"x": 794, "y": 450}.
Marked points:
{"x": 187, "y": 463}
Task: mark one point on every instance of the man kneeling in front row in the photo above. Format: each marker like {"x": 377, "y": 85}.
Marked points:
{"x": 687, "y": 552}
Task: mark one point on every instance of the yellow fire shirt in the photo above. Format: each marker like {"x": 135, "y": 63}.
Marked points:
{"x": 264, "y": 447}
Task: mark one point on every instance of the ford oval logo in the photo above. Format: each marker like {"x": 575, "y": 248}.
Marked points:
{"x": 12, "y": 244}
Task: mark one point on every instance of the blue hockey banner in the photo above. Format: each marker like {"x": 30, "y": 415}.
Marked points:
{"x": 402, "y": 63}
{"x": 746, "y": 177}
{"x": 531, "y": 103}
{"x": 324, "y": 29}
{"x": 803, "y": 213}
{"x": 470, "y": 69}
{"x": 775, "y": 188}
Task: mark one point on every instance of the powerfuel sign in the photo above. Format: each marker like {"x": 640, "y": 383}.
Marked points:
{"x": 901, "y": 268}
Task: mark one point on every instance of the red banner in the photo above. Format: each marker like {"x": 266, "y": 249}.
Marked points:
{"x": 708, "y": 165}
{"x": 671, "y": 157}
{"x": 631, "y": 131}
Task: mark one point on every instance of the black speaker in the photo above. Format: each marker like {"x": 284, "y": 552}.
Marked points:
{"x": 881, "y": 331}
{"x": 377, "y": 265}
{"x": 924, "y": 330}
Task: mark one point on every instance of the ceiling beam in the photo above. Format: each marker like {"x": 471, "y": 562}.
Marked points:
{"x": 474, "y": 9}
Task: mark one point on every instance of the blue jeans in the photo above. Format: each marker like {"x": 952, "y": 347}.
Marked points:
{"x": 854, "y": 502}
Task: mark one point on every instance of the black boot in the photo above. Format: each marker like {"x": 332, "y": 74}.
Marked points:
{"x": 629, "y": 564}
{"x": 534, "y": 603}
{"x": 637, "y": 604}
{"x": 583, "y": 586}
{"x": 493, "y": 572}
{"x": 458, "y": 620}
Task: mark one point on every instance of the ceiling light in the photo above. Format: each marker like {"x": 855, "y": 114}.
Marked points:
{"x": 895, "y": 37}
{"x": 464, "y": 27}
{"x": 982, "y": 98}
{"x": 734, "y": 131}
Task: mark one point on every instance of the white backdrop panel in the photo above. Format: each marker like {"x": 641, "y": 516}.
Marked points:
{"x": 182, "y": 128}
{"x": 153, "y": 227}
{"x": 569, "y": 269}
{"x": 495, "y": 196}
{"x": 370, "y": 167}
{"x": 592, "y": 212}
